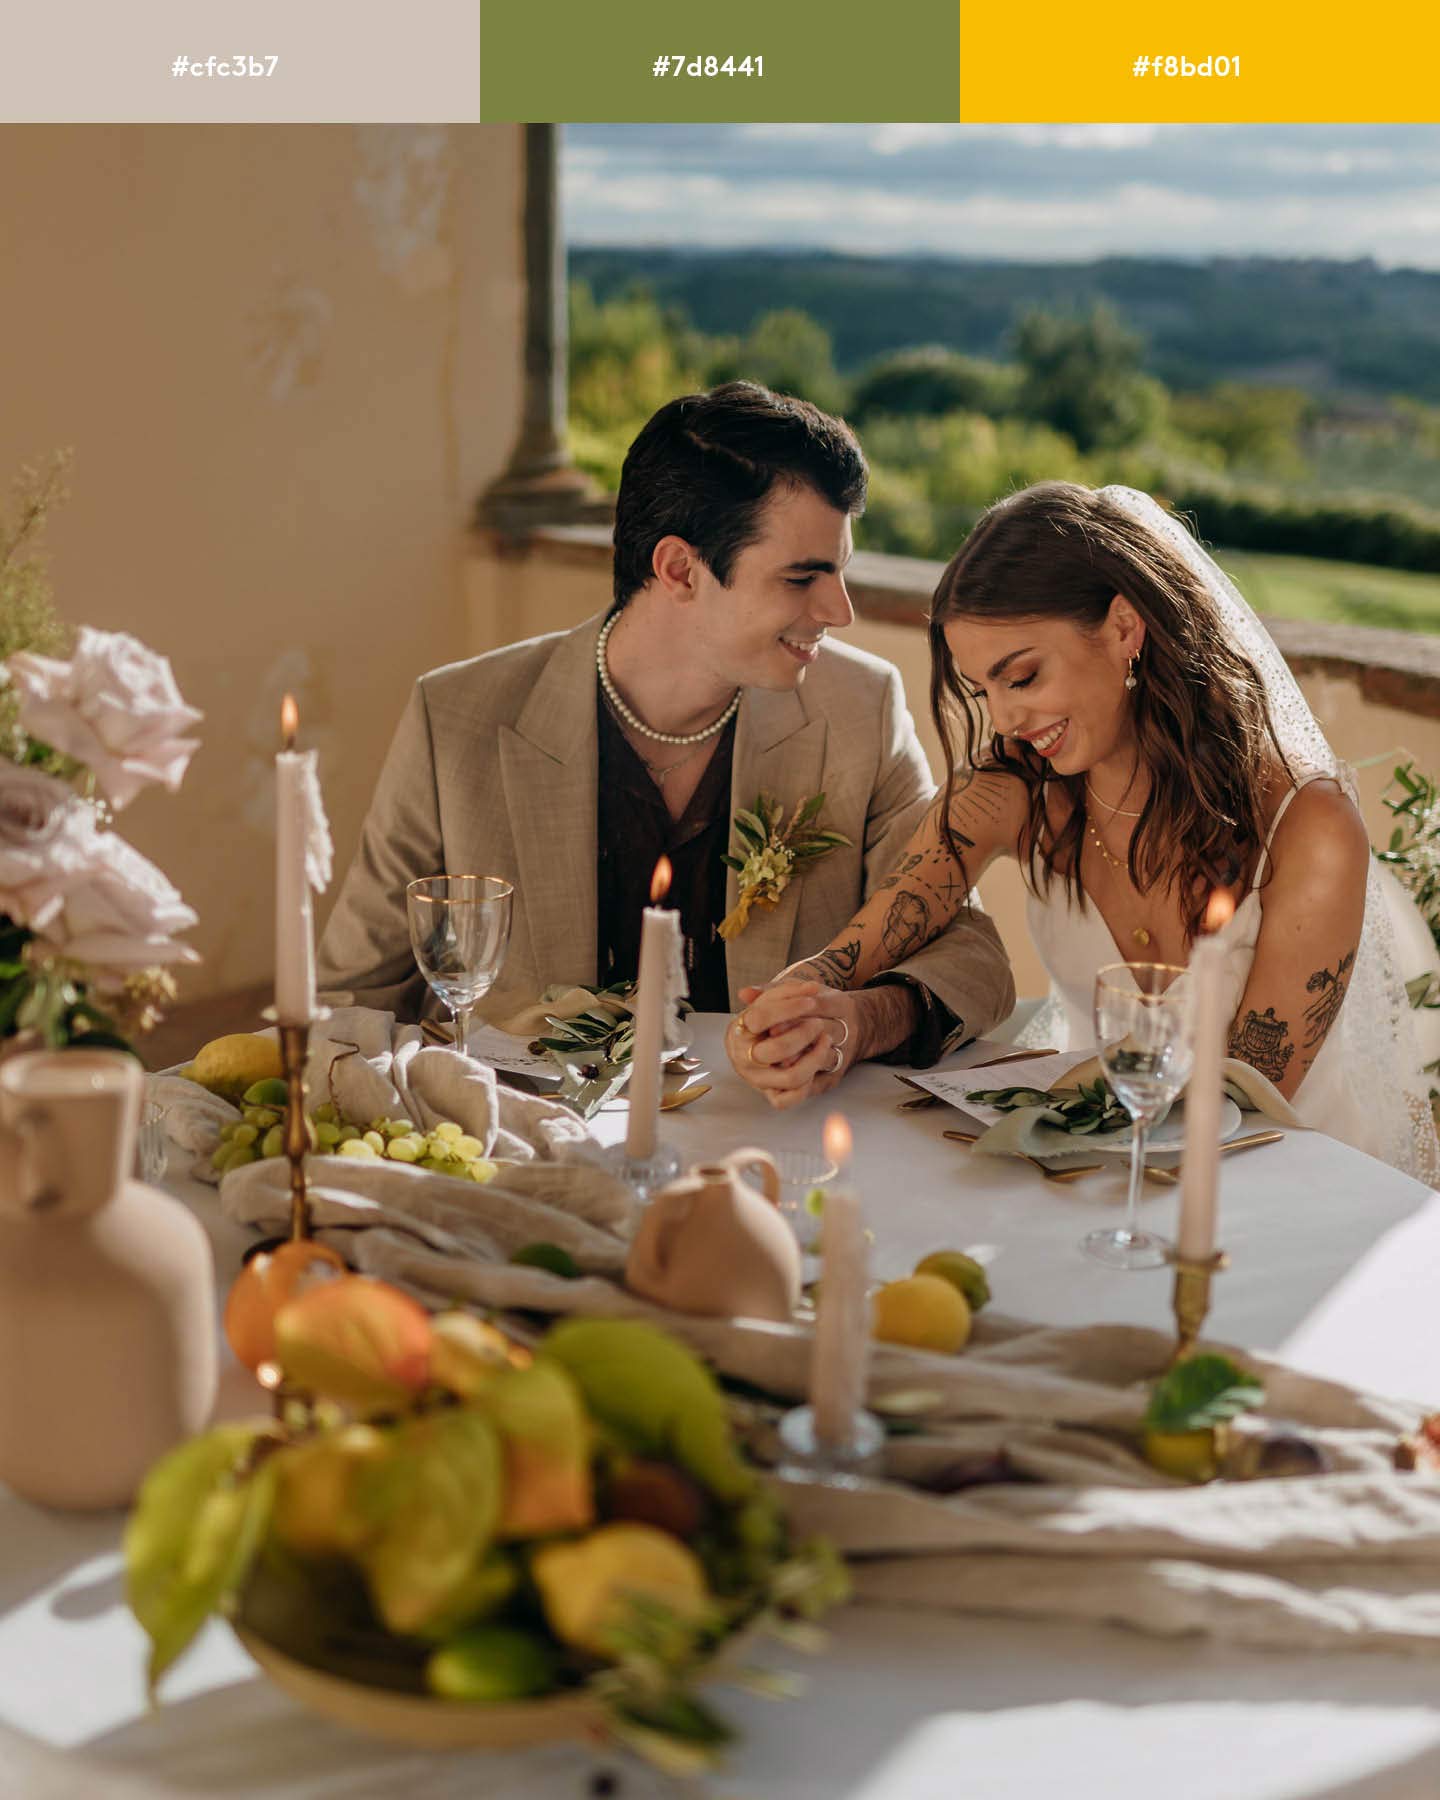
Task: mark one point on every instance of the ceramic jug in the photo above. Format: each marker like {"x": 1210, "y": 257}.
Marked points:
{"x": 710, "y": 1243}
{"x": 108, "y": 1342}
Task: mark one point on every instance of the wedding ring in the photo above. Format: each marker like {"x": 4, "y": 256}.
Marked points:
{"x": 834, "y": 1068}
{"x": 750, "y": 1050}
{"x": 844, "y": 1025}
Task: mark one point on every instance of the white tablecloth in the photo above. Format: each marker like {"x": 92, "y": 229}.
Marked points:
{"x": 1335, "y": 1261}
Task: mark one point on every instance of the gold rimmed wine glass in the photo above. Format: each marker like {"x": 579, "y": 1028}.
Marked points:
{"x": 460, "y": 931}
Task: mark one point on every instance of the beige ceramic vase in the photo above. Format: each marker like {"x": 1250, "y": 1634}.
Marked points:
{"x": 108, "y": 1345}
{"x": 709, "y": 1243}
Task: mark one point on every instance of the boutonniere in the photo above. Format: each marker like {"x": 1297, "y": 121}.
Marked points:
{"x": 770, "y": 853}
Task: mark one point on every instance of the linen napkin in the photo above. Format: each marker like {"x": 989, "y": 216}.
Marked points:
{"x": 1039, "y": 1131}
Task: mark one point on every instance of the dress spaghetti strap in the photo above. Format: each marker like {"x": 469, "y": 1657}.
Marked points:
{"x": 1304, "y": 781}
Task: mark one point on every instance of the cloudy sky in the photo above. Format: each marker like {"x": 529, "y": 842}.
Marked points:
{"x": 1026, "y": 191}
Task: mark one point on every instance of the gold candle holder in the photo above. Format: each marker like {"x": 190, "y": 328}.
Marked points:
{"x": 1191, "y": 1299}
{"x": 294, "y": 1048}
{"x": 294, "y": 1045}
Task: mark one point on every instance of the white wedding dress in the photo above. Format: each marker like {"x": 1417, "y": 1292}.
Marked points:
{"x": 1074, "y": 943}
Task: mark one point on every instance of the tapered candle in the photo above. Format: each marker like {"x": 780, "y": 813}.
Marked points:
{"x": 842, "y": 1322}
{"x": 1199, "y": 1174}
{"x": 660, "y": 951}
{"x": 294, "y": 923}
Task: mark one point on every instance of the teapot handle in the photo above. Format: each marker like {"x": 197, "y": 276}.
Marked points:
{"x": 752, "y": 1158}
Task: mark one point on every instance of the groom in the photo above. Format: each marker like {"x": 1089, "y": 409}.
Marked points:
{"x": 570, "y": 763}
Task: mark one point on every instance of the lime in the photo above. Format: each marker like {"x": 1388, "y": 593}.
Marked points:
{"x": 492, "y": 1662}
{"x": 547, "y": 1256}
{"x": 272, "y": 1091}
{"x": 961, "y": 1271}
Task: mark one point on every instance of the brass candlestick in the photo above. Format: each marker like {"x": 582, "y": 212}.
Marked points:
{"x": 294, "y": 1045}
{"x": 1191, "y": 1299}
{"x": 294, "y": 1048}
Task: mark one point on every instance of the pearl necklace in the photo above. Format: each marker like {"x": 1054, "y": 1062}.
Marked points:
{"x": 623, "y": 712}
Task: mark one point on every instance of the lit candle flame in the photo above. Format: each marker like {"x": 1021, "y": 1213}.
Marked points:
{"x": 837, "y": 1140}
{"x": 289, "y": 721}
{"x": 660, "y": 881}
{"x": 1219, "y": 911}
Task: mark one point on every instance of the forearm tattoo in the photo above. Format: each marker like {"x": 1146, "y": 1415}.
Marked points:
{"x": 907, "y": 926}
{"x": 1329, "y": 990}
{"x": 836, "y": 965}
{"x": 1263, "y": 1042}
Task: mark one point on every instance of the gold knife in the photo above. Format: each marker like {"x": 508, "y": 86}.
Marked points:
{"x": 1252, "y": 1142}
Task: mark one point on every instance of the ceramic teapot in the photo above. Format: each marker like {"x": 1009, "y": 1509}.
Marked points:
{"x": 108, "y": 1342}
{"x": 711, "y": 1243}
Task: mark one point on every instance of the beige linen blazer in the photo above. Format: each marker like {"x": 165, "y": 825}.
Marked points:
{"x": 493, "y": 771}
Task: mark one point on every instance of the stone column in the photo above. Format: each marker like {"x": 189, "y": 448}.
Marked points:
{"x": 540, "y": 486}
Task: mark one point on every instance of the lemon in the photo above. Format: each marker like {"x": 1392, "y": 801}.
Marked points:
{"x": 924, "y": 1311}
{"x": 590, "y": 1586}
{"x": 960, "y": 1271}
{"x": 230, "y": 1065}
{"x": 1188, "y": 1455}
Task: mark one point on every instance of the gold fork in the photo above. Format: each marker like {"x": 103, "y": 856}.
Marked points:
{"x": 1070, "y": 1174}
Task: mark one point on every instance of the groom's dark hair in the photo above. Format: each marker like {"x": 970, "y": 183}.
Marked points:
{"x": 703, "y": 467}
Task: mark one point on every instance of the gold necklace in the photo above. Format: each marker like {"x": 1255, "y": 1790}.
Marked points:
{"x": 1124, "y": 811}
{"x": 1140, "y": 933}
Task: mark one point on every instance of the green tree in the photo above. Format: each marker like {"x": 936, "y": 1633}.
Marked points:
{"x": 792, "y": 353}
{"x": 1082, "y": 375}
{"x": 1256, "y": 427}
{"x": 929, "y": 381}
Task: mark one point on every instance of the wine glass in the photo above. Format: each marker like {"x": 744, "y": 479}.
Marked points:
{"x": 1145, "y": 1028}
{"x": 460, "y": 931}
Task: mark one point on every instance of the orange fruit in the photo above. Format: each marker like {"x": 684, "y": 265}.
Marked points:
{"x": 264, "y": 1285}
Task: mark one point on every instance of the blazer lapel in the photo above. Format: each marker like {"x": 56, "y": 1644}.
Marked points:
{"x": 549, "y": 767}
{"x": 780, "y": 750}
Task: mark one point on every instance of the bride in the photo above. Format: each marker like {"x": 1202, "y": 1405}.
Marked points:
{"x": 1146, "y": 745}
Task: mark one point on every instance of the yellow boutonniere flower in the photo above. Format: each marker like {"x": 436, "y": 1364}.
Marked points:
{"x": 770, "y": 853}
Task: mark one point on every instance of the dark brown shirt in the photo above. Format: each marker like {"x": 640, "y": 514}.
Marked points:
{"x": 634, "y": 829}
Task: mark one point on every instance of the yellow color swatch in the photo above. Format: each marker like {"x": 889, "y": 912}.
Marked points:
{"x": 1226, "y": 61}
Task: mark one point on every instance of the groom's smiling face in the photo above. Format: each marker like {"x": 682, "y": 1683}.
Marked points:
{"x": 786, "y": 590}
{"x": 1049, "y": 682}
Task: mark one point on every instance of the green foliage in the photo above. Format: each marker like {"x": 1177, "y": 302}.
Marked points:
{"x": 1083, "y": 375}
{"x": 1254, "y": 427}
{"x": 1201, "y": 1391}
{"x": 1414, "y": 848}
{"x": 930, "y": 381}
{"x": 1091, "y": 1107}
{"x": 790, "y": 352}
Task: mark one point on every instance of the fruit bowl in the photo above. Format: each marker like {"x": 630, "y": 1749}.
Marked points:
{"x": 422, "y": 1721}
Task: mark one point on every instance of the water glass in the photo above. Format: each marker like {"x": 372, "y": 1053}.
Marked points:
{"x": 460, "y": 931}
{"x": 1144, "y": 1024}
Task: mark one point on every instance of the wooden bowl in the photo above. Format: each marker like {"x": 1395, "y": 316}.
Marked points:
{"x": 423, "y": 1721}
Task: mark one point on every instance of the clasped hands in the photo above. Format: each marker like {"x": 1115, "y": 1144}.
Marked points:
{"x": 793, "y": 1039}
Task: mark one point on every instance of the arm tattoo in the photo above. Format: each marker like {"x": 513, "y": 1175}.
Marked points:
{"x": 1330, "y": 992}
{"x": 893, "y": 879}
{"x": 907, "y": 926}
{"x": 836, "y": 965}
{"x": 1264, "y": 1043}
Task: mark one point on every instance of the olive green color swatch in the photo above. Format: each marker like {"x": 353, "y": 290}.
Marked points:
{"x": 547, "y": 61}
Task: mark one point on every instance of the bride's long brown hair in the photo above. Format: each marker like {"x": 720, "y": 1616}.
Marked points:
{"x": 1202, "y": 724}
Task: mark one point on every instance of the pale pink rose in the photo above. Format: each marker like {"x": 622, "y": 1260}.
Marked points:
{"x": 47, "y": 840}
{"x": 119, "y": 912}
{"x": 114, "y": 707}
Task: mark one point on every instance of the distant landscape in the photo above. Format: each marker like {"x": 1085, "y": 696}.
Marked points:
{"x": 1292, "y": 408}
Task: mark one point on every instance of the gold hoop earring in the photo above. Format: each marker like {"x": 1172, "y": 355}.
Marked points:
{"x": 1130, "y": 682}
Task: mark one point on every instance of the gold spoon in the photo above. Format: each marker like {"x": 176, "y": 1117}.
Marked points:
{"x": 696, "y": 1091}
{"x": 1252, "y": 1142}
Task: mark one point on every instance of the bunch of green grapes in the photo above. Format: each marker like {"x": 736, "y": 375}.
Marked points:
{"x": 260, "y": 1133}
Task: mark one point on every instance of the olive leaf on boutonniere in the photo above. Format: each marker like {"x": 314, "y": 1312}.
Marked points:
{"x": 770, "y": 853}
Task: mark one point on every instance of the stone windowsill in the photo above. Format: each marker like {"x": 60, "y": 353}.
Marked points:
{"x": 1391, "y": 668}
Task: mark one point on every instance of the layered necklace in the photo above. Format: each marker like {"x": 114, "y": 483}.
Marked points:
{"x": 624, "y": 714}
{"x": 1141, "y": 933}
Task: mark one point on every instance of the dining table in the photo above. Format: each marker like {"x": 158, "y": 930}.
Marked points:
{"x": 1333, "y": 1266}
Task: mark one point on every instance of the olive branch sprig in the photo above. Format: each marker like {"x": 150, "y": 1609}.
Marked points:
{"x": 770, "y": 853}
